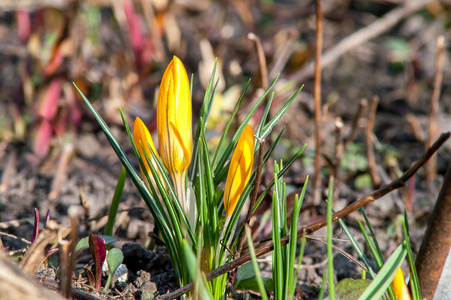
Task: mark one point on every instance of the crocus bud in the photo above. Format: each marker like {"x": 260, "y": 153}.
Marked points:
{"x": 400, "y": 289}
{"x": 174, "y": 119}
{"x": 141, "y": 135}
{"x": 239, "y": 170}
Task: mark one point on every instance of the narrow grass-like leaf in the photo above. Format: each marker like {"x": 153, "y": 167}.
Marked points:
{"x": 268, "y": 127}
{"x": 385, "y": 276}
{"x": 258, "y": 131}
{"x": 258, "y": 276}
{"x": 201, "y": 191}
{"x": 330, "y": 263}
{"x": 373, "y": 235}
{"x": 291, "y": 282}
{"x": 213, "y": 222}
{"x": 277, "y": 267}
{"x": 207, "y": 104}
{"x": 356, "y": 247}
{"x": 115, "y": 204}
{"x": 377, "y": 256}
{"x": 174, "y": 216}
{"x": 240, "y": 129}
{"x": 414, "y": 282}
{"x": 194, "y": 271}
{"x": 323, "y": 286}
{"x": 229, "y": 123}
{"x": 281, "y": 173}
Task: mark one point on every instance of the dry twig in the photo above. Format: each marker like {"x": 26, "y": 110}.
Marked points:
{"x": 261, "y": 59}
{"x": 356, "y": 122}
{"x": 8, "y": 171}
{"x": 369, "y": 134}
{"x": 317, "y": 95}
{"x": 431, "y": 166}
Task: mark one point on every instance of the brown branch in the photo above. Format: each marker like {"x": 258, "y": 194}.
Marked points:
{"x": 369, "y": 135}
{"x": 431, "y": 166}
{"x": 317, "y": 95}
{"x": 261, "y": 59}
{"x": 61, "y": 171}
{"x": 361, "y": 36}
{"x": 269, "y": 246}
{"x": 363, "y": 103}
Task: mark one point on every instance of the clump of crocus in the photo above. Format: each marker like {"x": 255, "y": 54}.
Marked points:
{"x": 189, "y": 218}
{"x": 240, "y": 170}
{"x": 400, "y": 287}
{"x": 174, "y": 124}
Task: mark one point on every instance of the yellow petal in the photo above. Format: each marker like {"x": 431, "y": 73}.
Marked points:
{"x": 400, "y": 289}
{"x": 174, "y": 118}
{"x": 141, "y": 135}
{"x": 240, "y": 169}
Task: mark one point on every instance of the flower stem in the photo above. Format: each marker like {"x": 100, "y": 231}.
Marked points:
{"x": 180, "y": 189}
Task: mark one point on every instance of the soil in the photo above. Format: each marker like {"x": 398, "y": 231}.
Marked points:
{"x": 397, "y": 66}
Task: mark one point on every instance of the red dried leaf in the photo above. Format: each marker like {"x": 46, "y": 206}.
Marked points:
{"x": 98, "y": 252}
{"x": 36, "y": 225}
{"x": 49, "y": 104}
{"x": 23, "y": 25}
{"x": 42, "y": 141}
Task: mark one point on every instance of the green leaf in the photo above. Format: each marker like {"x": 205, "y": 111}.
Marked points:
{"x": 350, "y": 289}
{"x": 414, "y": 282}
{"x": 385, "y": 276}
{"x": 252, "y": 284}
{"x": 114, "y": 259}
{"x": 115, "y": 204}
{"x": 330, "y": 257}
{"x": 258, "y": 278}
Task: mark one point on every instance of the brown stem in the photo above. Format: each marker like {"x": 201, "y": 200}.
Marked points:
{"x": 268, "y": 246}
{"x": 261, "y": 59}
{"x": 355, "y": 123}
{"x": 8, "y": 171}
{"x": 369, "y": 143}
{"x": 61, "y": 171}
{"x": 431, "y": 166}
{"x": 317, "y": 95}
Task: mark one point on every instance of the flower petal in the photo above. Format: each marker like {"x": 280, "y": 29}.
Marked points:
{"x": 240, "y": 169}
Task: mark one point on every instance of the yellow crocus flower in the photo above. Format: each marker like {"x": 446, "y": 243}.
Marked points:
{"x": 141, "y": 135}
{"x": 239, "y": 170}
{"x": 400, "y": 289}
{"x": 174, "y": 124}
